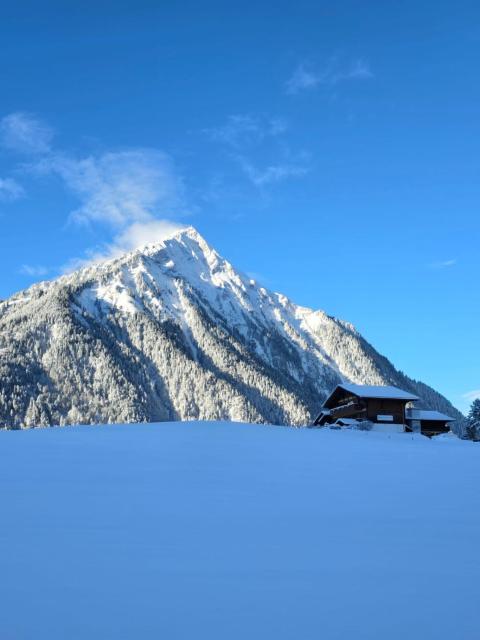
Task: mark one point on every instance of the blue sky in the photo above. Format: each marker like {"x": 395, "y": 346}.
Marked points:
{"x": 331, "y": 149}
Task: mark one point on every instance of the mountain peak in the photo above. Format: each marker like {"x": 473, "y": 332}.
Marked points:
{"x": 189, "y": 233}
{"x": 186, "y": 236}
{"x": 181, "y": 247}
{"x": 160, "y": 236}
{"x": 171, "y": 330}
{"x": 182, "y": 232}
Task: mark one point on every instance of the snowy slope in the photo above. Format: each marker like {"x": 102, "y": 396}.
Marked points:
{"x": 172, "y": 331}
{"x": 218, "y": 531}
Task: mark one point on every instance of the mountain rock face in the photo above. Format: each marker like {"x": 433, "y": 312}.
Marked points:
{"x": 172, "y": 331}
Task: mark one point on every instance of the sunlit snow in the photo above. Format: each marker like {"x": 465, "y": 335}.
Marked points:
{"x": 217, "y": 530}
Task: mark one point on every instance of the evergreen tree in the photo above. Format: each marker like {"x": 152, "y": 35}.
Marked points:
{"x": 474, "y": 413}
{"x": 472, "y": 430}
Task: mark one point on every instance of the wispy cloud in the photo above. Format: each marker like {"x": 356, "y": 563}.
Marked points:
{"x": 24, "y": 133}
{"x": 443, "y": 264}
{"x": 472, "y": 395}
{"x": 271, "y": 174}
{"x": 35, "y": 271}
{"x": 256, "y": 145}
{"x": 307, "y": 76}
{"x": 303, "y": 78}
{"x": 10, "y": 189}
{"x": 119, "y": 188}
{"x": 359, "y": 70}
{"x": 242, "y": 130}
{"x": 135, "y": 192}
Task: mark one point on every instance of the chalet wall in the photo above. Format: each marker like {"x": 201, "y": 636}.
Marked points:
{"x": 387, "y": 407}
{"x": 369, "y": 409}
{"x": 431, "y": 427}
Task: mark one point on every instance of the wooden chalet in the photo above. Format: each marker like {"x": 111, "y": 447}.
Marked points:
{"x": 389, "y": 408}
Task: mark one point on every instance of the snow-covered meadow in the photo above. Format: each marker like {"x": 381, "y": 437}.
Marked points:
{"x": 216, "y": 530}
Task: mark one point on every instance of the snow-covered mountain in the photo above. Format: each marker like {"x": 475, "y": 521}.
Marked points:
{"x": 171, "y": 331}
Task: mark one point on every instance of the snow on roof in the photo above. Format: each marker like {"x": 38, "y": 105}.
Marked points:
{"x": 380, "y": 391}
{"x": 422, "y": 414}
{"x": 370, "y": 391}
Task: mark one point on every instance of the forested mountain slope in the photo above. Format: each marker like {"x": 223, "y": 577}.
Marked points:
{"x": 171, "y": 331}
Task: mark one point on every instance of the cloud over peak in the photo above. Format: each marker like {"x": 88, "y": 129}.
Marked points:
{"x": 132, "y": 191}
{"x": 119, "y": 188}
{"x": 131, "y": 237}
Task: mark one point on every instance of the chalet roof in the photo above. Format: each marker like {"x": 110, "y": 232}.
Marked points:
{"x": 370, "y": 391}
{"x": 422, "y": 414}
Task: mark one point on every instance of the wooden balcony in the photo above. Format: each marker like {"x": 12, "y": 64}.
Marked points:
{"x": 350, "y": 410}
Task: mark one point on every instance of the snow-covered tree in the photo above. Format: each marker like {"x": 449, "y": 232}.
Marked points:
{"x": 472, "y": 429}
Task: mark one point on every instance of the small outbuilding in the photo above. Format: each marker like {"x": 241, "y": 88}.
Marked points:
{"x": 430, "y": 423}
